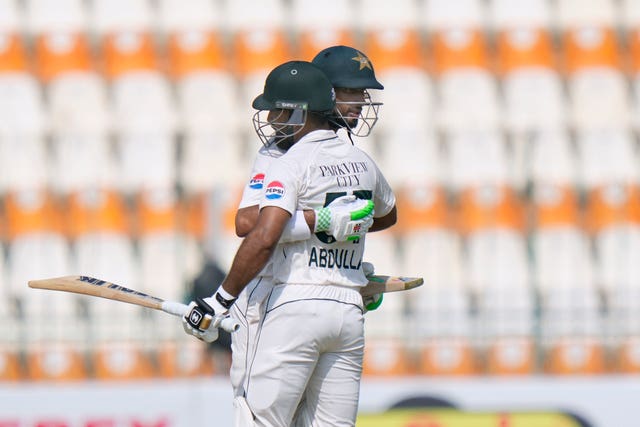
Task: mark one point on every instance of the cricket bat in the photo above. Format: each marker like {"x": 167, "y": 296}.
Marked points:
{"x": 101, "y": 288}
{"x": 379, "y": 284}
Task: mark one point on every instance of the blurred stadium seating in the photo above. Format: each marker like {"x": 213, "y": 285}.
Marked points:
{"x": 509, "y": 133}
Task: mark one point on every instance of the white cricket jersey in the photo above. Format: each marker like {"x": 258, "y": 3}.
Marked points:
{"x": 252, "y": 192}
{"x": 312, "y": 173}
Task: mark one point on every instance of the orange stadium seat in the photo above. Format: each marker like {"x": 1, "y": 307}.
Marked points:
{"x": 574, "y": 13}
{"x": 259, "y": 43}
{"x": 386, "y": 357}
{"x": 459, "y": 48}
{"x": 143, "y": 109}
{"x": 492, "y": 222}
{"x": 551, "y": 159}
{"x": 259, "y": 51}
{"x": 10, "y": 366}
{"x": 449, "y": 356}
{"x": 185, "y": 359}
{"x": 311, "y": 42}
{"x": 505, "y": 15}
{"x": 405, "y": 134}
{"x": 533, "y": 94}
{"x": 477, "y": 158}
{"x": 100, "y": 227}
{"x": 256, "y": 52}
{"x": 317, "y": 27}
{"x": 626, "y": 360}
{"x": 462, "y": 66}
{"x": 121, "y": 361}
{"x": 560, "y": 246}
{"x": 392, "y": 41}
{"x": 127, "y": 52}
{"x": 206, "y": 94}
{"x": 422, "y": 207}
{"x": 612, "y": 205}
{"x": 396, "y": 54}
{"x": 571, "y": 323}
{"x": 159, "y": 217}
{"x": 590, "y": 48}
{"x": 22, "y": 146}
{"x": 489, "y": 207}
{"x": 195, "y": 51}
{"x": 570, "y": 356}
{"x": 613, "y": 217}
{"x": 221, "y": 206}
{"x": 606, "y": 156}
{"x": 61, "y": 53}
{"x": 13, "y": 55}
{"x": 520, "y": 48}
{"x": 511, "y": 356}
{"x": 633, "y": 44}
{"x": 201, "y": 68}
{"x": 596, "y": 81}
{"x": 35, "y": 227}
{"x": 443, "y": 14}
{"x": 394, "y": 48}
{"x": 56, "y": 362}
{"x": 156, "y": 151}
{"x": 432, "y": 249}
{"x": 195, "y": 232}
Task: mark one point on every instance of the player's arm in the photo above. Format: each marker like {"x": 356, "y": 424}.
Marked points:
{"x": 247, "y": 217}
{"x": 204, "y": 316}
{"x": 385, "y": 221}
{"x": 256, "y": 249}
{"x": 346, "y": 218}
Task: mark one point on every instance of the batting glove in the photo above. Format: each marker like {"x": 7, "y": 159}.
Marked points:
{"x": 372, "y": 302}
{"x": 205, "y": 315}
{"x": 346, "y": 218}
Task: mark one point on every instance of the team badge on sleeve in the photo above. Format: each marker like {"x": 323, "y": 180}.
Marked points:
{"x": 257, "y": 181}
{"x": 275, "y": 190}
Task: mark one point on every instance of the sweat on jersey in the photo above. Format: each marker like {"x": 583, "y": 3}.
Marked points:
{"x": 316, "y": 170}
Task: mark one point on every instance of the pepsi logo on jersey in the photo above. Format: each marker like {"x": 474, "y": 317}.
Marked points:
{"x": 256, "y": 182}
{"x": 275, "y": 190}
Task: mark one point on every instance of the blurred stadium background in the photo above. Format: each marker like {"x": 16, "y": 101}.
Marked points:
{"x": 509, "y": 133}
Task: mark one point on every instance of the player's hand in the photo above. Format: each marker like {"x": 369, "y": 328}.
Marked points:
{"x": 372, "y": 302}
{"x": 204, "y": 317}
{"x": 346, "y": 218}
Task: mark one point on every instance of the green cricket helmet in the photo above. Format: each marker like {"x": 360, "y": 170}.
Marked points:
{"x": 348, "y": 68}
{"x": 298, "y": 86}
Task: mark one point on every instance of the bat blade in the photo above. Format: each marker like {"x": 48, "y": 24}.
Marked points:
{"x": 98, "y": 288}
{"x": 101, "y": 288}
{"x": 379, "y": 284}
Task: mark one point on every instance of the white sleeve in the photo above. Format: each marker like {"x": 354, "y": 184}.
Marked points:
{"x": 296, "y": 229}
{"x": 384, "y": 199}
{"x": 252, "y": 192}
{"x": 281, "y": 185}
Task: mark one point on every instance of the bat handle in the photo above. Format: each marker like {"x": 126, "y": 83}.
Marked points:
{"x": 179, "y": 309}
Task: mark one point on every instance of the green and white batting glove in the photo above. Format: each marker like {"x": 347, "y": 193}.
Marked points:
{"x": 372, "y": 302}
{"x": 346, "y": 218}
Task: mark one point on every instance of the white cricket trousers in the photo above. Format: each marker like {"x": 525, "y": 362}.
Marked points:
{"x": 248, "y": 310}
{"x": 308, "y": 358}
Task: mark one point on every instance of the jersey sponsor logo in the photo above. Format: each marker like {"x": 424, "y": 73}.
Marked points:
{"x": 346, "y": 259}
{"x": 275, "y": 190}
{"x": 256, "y": 182}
